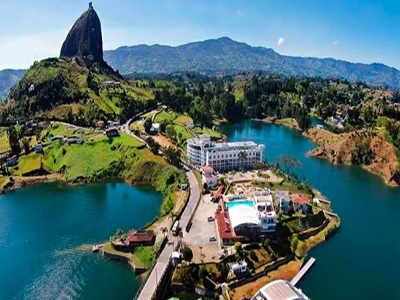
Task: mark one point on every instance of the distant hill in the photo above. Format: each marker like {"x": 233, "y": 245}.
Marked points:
{"x": 224, "y": 55}
{"x": 8, "y": 78}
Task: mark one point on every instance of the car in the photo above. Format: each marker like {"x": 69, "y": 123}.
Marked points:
{"x": 212, "y": 239}
{"x": 210, "y": 219}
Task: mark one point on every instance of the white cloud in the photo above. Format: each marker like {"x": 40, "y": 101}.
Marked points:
{"x": 335, "y": 43}
{"x": 280, "y": 41}
{"x": 239, "y": 14}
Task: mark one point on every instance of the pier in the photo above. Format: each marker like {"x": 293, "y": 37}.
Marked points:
{"x": 303, "y": 271}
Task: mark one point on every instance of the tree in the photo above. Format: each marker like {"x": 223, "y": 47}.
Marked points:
{"x": 163, "y": 126}
{"x": 25, "y": 144}
{"x": 147, "y": 125}
{"x": 173, "y": 156}
{"x": 171, "y": 133}
{"x": 289, "y": 162}
{"x": 164, "y": 230}
{"x": 119, "y": 232}
{"x": 13, "y": 139}
{"x": 202, "y": 272}
{"x": 153, "y": 145}
{"x": 187, "y": 254}
{"x": 237, "y": 246}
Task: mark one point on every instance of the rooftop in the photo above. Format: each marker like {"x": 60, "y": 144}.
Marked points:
{"x": 242, "y": 212}
{"x": 301, "y": 198}
{"x": 279, "y": 290}
{"x": 140, "y": 236}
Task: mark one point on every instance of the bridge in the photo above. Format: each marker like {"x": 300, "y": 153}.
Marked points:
{"x": 150, "y": 286}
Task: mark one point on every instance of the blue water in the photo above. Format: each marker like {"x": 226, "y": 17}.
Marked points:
{"x": 361, "y": 260}
{"x": 240, "y": 203}
{"x": 46, "y": 233}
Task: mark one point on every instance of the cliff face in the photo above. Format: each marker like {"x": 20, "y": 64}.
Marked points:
{"x": 337, "y": 148}
{"x": 84, "y": 39}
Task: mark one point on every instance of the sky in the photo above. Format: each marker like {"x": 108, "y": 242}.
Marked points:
{"x": 357, "y": 31}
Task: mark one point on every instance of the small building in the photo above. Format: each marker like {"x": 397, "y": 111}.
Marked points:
{"x": 239, "y": 268}
{"x": 12, "y": 161}
{"x": 100, "y": 124}
{"x": 113, "y": 123}
{"x": 190, "y": 126}
{"x": 141, "y": 237}
{"x": 209, "y": 176}
{"x": 279, "y": 290}
{"x": 133, "y": 239}
{"x": 282, "y": 200}
{"x": 266, "y": 214}
{"x": 300, "y": 203}
{"x": 41, "y": 125}
{"x": 74, "y": 140}
{"x": 39, "y": 148}
{"x": 112, "y": 131}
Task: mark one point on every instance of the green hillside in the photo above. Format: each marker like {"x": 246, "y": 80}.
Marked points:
{"x": 70, "y": 90}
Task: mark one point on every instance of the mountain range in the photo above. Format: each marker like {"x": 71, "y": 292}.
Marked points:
{"x": 8, "y": 78}
{"x": 226, "y": 56}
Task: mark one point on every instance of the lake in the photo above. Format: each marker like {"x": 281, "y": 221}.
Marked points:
{"x": 361, "y": 260}
{"x": 46, "y": 234}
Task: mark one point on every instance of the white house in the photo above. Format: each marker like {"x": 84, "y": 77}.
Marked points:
{"x": 239, "y": 267}
{"x": 223, "y": 156}
{"x": 209, "y": 176}
{"x": 266, "y": 214}
{"x": 282, "y": 200}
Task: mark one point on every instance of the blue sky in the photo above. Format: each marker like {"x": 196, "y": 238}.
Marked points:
{"x": 354, "y": 30}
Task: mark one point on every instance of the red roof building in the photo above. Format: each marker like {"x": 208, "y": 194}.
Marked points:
{"x": 300, "y": 199}
{"x": 140, "y": 237}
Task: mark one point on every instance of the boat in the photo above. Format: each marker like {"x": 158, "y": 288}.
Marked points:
{"x": 96, "y": 248}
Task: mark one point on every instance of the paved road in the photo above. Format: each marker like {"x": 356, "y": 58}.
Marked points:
{"x": 163, "y": 260}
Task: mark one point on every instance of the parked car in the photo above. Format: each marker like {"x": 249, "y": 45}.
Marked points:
{"x": 210, "y": 219}
{"x": 212, "y": 239}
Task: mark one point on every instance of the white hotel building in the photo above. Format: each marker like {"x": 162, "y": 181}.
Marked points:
{"x": 223, "y": 156}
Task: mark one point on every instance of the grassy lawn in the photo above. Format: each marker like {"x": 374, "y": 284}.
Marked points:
{"x": 186, "y": 134}
{"x": 4, "y": 144}
{"x": 138, "y": 125}
{"x": 164, "y": 115}
{"x": 209, "y": 131}
{"x": 184, "y": 119}
{"x": 80, "y": 160}
{"x": 145, "y": 255}
{"x": 381, "y": 121}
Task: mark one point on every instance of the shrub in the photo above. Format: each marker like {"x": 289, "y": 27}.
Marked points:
{"x": 187, "y": 254}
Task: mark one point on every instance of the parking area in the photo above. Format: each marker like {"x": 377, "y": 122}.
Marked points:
{"x": 198, "y": 238}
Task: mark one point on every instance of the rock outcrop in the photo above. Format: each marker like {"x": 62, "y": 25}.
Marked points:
{"x": 337, "y": 148}
{"x": 84, "y": 40}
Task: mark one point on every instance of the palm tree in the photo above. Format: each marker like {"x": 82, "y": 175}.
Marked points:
{"x": 172, "y": 215}
{"x": 164, "y": 230}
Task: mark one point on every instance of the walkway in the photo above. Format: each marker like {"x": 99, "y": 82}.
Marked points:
{"x": 148, "y": 289}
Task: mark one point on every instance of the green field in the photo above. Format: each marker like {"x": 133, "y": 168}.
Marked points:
{"x": 164, "y": 115}
{"x": 4, "y": 144}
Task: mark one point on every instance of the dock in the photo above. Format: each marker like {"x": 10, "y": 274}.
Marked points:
{"x": 303, "y": 271}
